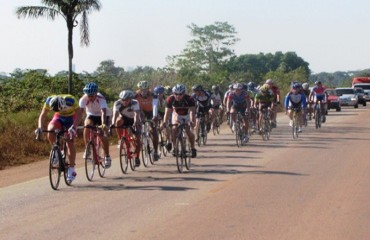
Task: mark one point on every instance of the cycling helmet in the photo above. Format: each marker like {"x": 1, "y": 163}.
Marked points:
{"x": 317, "y": 82}
{"x": 215, "y": 87}
{"x": 126, "y": 94}
{"x": 269, "y": 81}
{"x": 91, "y": 89}
{"x": 305, "y": 86}
{"x": 251, "y": 86}
{"x": 159, "y": 90}
{"x": 296, "y": 86}
{"x": 238, "y": 86}
{"x": 168, "y": 90}
{"x": 197, "y": 87}
{"x": 264, "y": 88}
{"x": 230, "y": 86}
{"x": 179, "y": 89}
{"x": 57, "y": 103}
{"x": 143, "y": 85}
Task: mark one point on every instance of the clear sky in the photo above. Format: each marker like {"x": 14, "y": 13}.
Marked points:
{"x": 331, "y": 35}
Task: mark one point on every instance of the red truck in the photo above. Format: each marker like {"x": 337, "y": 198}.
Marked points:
{"x": 364, "y": 83}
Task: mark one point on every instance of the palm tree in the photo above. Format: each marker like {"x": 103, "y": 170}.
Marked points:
{"x": 69, "y": 10}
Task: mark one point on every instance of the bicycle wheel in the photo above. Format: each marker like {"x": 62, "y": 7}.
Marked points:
{"x": 89, "y": 161}
{"x": 150, "y": 150}
{"x": 237, "y": 134}
{"x": 162, "y": 143}
{"x": 65, "y": 164}
{"x": 203, "y": 133}
{"x": 199, "y": 137}
{"x": 100, "y": 162}
{"x": 144, "y": 152}
{"x": 179, "y": 155}
{"x": 318, "y": 119}
{"x": 54, "y": 169}
{"x": 123, "y": 155}
{"x": 187, "y": 154}
{"x": 295, "y": 127}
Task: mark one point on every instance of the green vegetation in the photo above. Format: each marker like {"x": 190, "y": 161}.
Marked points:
{"x": 208, "y": 59}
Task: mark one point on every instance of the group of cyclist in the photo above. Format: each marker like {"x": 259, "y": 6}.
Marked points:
{"x": 166, "y": 108}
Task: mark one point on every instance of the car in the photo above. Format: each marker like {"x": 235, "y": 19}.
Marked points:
{"x": 333, "y": 100}
{"x": 362, "y": 96}
{"x": 347, "y": 97}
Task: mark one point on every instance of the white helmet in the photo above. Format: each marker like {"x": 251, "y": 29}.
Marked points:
{"x": 126, "y": 94}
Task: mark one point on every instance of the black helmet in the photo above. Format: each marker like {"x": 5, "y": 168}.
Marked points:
{"x": 197, "y": 87}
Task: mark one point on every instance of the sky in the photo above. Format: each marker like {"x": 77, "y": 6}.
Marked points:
{"x": 331, "y": 35}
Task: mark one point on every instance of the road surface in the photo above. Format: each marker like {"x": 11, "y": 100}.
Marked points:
{"x": 316, "y": 187}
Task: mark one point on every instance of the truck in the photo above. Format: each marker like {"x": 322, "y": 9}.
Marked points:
{"x": 364, "y": 83}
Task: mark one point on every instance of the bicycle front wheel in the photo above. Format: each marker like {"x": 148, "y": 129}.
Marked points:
{"x": 179, "y": 155}
{"x": 123, "y": 156}
{"x": 89, "y": 161}
{"x": 295, "y": 128}
{"x": 54, "y": 169}
{"x": 237, "y": 134}
{"x": 100, "y": 162}
{"x": 65, "y": 164}
{"x": 187, "y": 154}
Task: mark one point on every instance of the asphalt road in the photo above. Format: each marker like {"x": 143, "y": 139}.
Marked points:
{"x": 316, "y": 187}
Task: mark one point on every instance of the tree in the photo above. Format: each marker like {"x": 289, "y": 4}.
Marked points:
{"x": 69, "y": 10}
{"x": 207, "y": 53}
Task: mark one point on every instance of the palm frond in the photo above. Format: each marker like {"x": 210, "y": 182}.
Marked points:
{"x": 36, "y": 11}
{"x": 84, "y": 30}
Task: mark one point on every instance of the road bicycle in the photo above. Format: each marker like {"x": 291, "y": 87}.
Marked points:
{"x": 240, "y": 135}
{"x": 182, "y": 149}
{"x": 266, "y": 124}
{"x": 58, "y": 161}
{"x": 295, "y": 127}
{"x": 147, "y": 148}
{"x": 93, "y": 155}
{"x": 127, "y": 147}
{"x": 202, "y": 131}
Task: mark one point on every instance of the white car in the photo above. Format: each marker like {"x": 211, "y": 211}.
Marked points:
{"x": 347, "y": 96}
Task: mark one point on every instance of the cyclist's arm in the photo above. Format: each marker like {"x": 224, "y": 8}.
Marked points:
{"x": 42, "y": 117}
{"x": 103, "y": 115}
{"x": 192, "y": 114}
{"x": 77, "y": 120}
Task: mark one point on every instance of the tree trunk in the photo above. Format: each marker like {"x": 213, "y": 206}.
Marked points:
{"x": 70, "y": 57}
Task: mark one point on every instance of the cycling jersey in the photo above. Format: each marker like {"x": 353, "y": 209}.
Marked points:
{"x": 295, "y": 101}
{"x": 126, "y": 111}
{"x": 70, "y": 110}
{"x": 93, "y": 108}
{"x": 180, "y": 107}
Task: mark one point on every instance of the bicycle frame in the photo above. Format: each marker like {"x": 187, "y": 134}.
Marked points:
{"x": 296, "y": 115}
{"x": 182, "y": 148}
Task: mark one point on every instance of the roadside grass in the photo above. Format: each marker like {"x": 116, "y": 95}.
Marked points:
{"x": 17, "y": 142}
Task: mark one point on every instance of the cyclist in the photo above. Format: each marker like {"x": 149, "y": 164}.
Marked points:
{"x": 216, "y": 103}
{"x": 306, "y": 91}
{"x": 203, "y": 102}
{"x": 158, "y": 112}
{"x": 96, "y": 114}
{"x": 147, "y": 103}
{"x": 295, "y": 99}
{"x": 65, "y": 108}
{"x": 253, "y": 111}
{"x": 239, "y": 102}
{"x": 181, "y": 107}
{"x": 126, "y": 112}
{"x": 318, "y": 95}
{"x": 263, "y": 100}
{"x": 276, "y": 91}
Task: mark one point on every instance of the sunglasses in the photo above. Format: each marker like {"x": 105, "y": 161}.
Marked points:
{"x": 178, "y": 94}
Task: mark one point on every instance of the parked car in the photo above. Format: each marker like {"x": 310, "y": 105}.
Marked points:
{"x": 347, "y": 97}
{"x": 362, "y": 96}
{"x": 333, "y": 100}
